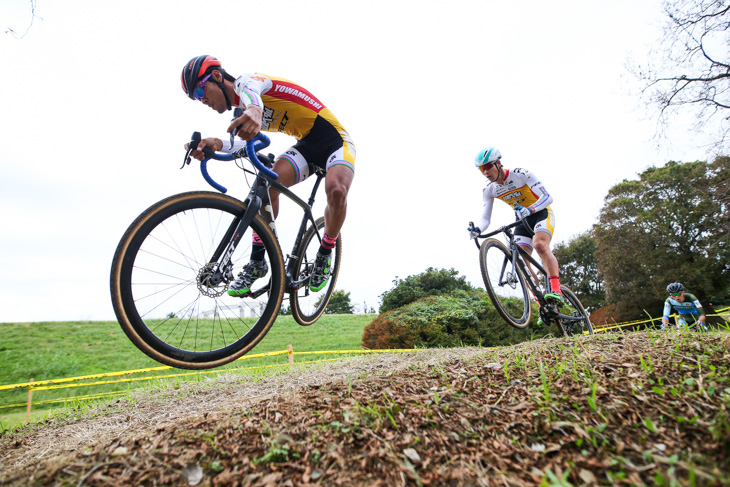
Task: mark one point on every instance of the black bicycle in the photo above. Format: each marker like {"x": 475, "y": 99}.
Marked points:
{"x": 173, "y": 266}
{"x": 508, "y": 278}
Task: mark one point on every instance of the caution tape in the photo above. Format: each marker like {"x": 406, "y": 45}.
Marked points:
{"x": 103, "y": 395}
{"x": 638, "y": 322}
{"x": 43, "y": 385}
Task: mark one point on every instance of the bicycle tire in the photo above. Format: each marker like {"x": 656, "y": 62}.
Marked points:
{"x": 308, "y": 306}
{"x": 575, "y": 307}
{"x": 510, "y": 297}
{"x": 158, "y": 290}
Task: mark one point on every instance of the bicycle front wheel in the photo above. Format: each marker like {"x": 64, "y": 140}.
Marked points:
{"x": 306, "y": 305}
{"x": 505, "y": 283}
{"x": 581, "y": 323}
{"x": 171, "y": 300}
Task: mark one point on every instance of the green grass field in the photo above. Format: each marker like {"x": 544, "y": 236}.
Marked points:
{"x": 55, "y": 350}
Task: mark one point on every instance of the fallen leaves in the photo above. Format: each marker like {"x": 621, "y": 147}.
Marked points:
{"x": 463, "y": 422}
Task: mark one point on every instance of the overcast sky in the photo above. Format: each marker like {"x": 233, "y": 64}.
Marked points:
{"x": 93, "y": 122}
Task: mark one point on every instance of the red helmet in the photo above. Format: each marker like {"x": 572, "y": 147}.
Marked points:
{"x": 195, "y": 69}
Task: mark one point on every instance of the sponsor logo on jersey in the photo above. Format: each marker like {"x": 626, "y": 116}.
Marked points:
{"x": 512, "y": 196}
{"x": 284, "y": 121}
{"x": 296, "y": 94}
{"x": 267, "y": 118}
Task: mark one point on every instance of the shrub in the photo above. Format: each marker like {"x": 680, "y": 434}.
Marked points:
{"x": 430, "y": 283}
{"x": 462, "y": 317}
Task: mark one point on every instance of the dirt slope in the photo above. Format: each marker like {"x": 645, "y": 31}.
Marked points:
{"x": 608, "y": 409}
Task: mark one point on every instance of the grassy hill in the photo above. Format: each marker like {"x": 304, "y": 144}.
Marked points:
{"x": 44, "y": 351}
{"x": 641, "y": 408}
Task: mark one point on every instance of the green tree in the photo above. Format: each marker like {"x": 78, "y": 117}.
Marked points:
{"x": 670, "y": 225}
{"x": 339, "y": 303}
{"x": 432, "y": 282}
{"x": 579, "y": 269}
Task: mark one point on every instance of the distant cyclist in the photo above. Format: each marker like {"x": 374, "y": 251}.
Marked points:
{"x": 522, "y": 190}
{"x": 278, "y": 105}
{"x": 686, "y": 304}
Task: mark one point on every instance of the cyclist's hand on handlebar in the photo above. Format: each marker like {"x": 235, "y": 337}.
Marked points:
{"x": 247, "y": 125}
{"x": 474, "y": 232}
{"x": 523, "y": 212}
{"x": 210, "y": 143}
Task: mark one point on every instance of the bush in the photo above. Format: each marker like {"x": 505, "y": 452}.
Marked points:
{"x": 460, "y": 318}
{"x": 430, "y": 283}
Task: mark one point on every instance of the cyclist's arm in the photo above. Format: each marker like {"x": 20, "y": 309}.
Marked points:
{"x": 544, "y": 199}
{"x": 249, "y": 89}
{"x": 667, "y": 310}
{"x": 486, "y": 217}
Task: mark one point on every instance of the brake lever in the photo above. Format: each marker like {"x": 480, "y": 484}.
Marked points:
{"x": 194, "y": 141}
{"x": 186, "y": 160}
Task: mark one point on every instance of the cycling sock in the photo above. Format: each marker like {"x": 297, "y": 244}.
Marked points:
{"x": 258, "y": 251}
{"x": 328, "y": 243}
{"x": 555, "y": 284}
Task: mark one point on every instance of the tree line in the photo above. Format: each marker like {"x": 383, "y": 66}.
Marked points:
{"x": 670, "y": 225}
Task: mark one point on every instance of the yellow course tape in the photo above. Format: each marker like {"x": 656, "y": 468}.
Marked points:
{"x": 63, "y": 383}
{"x": 638, "y": 322}
{"x": 44, "y": 384}
{"x": 120, "y": 393}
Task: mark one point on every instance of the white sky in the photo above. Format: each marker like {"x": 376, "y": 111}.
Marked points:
{"x": 93, "y": 121}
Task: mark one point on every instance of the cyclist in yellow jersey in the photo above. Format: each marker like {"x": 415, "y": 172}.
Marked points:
{"x": 278, "y": 105}
{"x": 522, "y": 190}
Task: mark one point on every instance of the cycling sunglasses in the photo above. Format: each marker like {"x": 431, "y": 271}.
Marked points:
{"x": 486, "y": 167}
{"x": 677, "y": 294}
{"x": 199, "y": 91}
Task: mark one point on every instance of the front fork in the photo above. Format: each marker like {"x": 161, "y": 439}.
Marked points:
{"x": 220, "y": 267}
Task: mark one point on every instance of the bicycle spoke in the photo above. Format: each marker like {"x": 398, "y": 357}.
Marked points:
{"x": 172, "y": 303}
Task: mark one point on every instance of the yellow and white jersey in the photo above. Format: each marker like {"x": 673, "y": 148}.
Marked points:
{"x": 287, "y": 107}
{"x": 520, "y": 188}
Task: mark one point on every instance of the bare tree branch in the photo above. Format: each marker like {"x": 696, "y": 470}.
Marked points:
{"x": 32, "y": 18}
{"x": 690, "y": 68}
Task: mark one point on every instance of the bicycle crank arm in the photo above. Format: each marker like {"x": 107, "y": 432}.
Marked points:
{"x": 571, "y": 318}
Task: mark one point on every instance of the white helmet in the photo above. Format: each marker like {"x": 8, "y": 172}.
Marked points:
{"x": 490, "y": 155}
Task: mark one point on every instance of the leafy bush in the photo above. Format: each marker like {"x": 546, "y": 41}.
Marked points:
{"x": 430, "y": 283}
{"x": 462, "y": 317}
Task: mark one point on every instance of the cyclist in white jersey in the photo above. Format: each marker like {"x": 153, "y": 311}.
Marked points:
{"x": 522, "y": 190}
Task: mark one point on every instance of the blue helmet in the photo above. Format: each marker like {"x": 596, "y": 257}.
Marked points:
{"x": 490, "y": 155}
{"x": 675, "y": 287}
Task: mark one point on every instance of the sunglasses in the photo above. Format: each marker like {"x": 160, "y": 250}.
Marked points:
{"x": 486, "y": 167}
{"x": 199, "y": 91}
{"x": 677, "y": 294}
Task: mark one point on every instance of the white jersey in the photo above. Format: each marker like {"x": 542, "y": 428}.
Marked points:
{"x": 520, "y": 187}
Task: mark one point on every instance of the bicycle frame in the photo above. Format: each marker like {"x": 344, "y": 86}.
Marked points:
{"x": 519, "y": 262}
{"x": 521, "y": 259}
{"x": 258, "y": 201}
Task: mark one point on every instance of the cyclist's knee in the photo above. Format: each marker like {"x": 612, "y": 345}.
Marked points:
{"x": 337, "y": 195}
{"x": 542, "y": 246}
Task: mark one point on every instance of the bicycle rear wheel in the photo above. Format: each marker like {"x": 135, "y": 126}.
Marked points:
{"x": 573, "y": 307}
{"x": 505, "y": 283}
{"x": 306, "y": 305}
{"x": 165, "y": 292}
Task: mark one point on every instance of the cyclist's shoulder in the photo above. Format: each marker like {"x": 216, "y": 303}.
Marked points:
{"x": 253, "y": 79}
{"x": 522, "y": 172}
{"x": 490, "y": 190}
{"x": 690, "y": 297}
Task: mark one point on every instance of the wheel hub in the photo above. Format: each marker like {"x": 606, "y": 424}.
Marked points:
{"x": 211, "y": 282}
